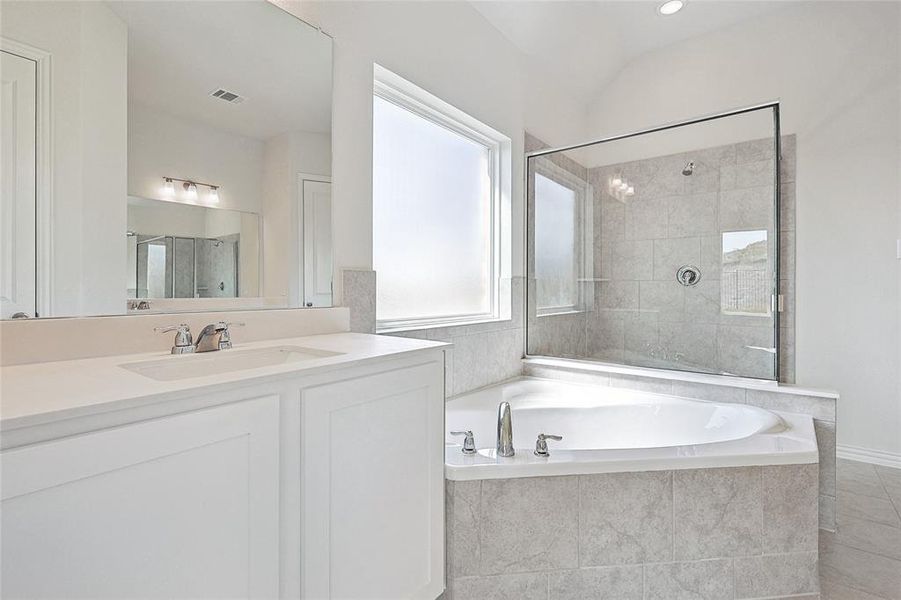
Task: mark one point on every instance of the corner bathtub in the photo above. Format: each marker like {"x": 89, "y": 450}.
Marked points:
{"x": 610, "y": 430}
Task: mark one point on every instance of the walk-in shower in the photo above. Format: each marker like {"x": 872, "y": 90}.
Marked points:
{"x": 660, "y": 248}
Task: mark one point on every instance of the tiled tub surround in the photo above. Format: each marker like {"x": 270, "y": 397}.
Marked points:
{"x": 659, "y": 532}
{"x": 745, "y": 532}
{"x": 636, "y": 313}
{"x": 819, "y": 404}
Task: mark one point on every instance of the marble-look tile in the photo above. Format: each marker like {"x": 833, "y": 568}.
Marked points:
{"x": 612, "y": 226}
{"x": 670, "y": 254}
{"x": 519, "y": 586}
{"x": 718, "y": 512}
{"x": 625, "y": 518}
{"x": 746, "y": 209}
{"x": 518, "y": 531}
{"x": 789, "y": 162}
{"x": 484, "y": 358}
{"x": 558, "y": 335}
{"x": 787, "y": 255}
{"x": 868, "y": 536}
{"x": 815, "y": 406}
{"x": 640, "y": 335}
{"x": 746, "y": 175}
{"x": 859, "y": 478}
{"x": 627, "y": 260}
{"x": 613, "y": 583}
{"x": 700, "y": 580}
{"x": 359, "y": 289}
{"x": 462, "y": 527}
{"x": 646, "y": 219}
{"x": 790, "y": 509}
{"x": 617, "y": 295}
{"x": 776, "y": 575}
{"x": 702, "y": 301}
{"x": 856, "y": 506}
{"x": 690, "y": 346}
{"x": 691, "y": 215}
{"x": 666, "y": 299}
{"x": 787, "y": 206}
{"x": 711, "y": 257}
{"x": 605, "y": 336}
{"x": 826, "y": 507}
{"x": 871, "y": 573}
{"x": 888, "y": 475}
{"x": 825, "y": 433}
{"x": 830, "y": 589}
{"x": 755, "y": 150}
{"x": 655, "y": 385}
{"x": 742, "y": 351}
{"x": 712, "y": 393}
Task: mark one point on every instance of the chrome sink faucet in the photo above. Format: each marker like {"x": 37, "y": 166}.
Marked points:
{"x": 215, "y": 336}
{"x": 504, "y": 430}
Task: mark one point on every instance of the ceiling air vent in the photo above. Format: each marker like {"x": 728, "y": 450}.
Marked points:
{"x": 227, "y": 96}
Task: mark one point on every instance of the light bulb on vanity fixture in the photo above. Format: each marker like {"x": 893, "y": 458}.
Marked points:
{"x": 168, "y": 188}
{"x": 670, "y": 8}
{"x": 213, "y": 196}
{"x": 190, "y": 190}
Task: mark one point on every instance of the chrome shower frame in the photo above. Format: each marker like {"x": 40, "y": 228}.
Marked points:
{"x": 776, "y": 300}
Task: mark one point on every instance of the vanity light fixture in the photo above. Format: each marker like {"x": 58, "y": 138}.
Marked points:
{"x": 191, "y": 193}
{"x": 670, "y": 8}
{"x": 168, "y": 188}
{"x": 190, "y": 190}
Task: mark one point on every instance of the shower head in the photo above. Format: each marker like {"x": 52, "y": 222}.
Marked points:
{"x": 689, "y": 168}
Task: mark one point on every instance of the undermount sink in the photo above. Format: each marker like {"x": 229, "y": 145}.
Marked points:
{"x": 186, "y": 366}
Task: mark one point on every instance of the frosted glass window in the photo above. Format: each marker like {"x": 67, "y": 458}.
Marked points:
{"x": 156, "y": 271}
{"x": 555, "y": 244}
{"x": 432, "y": 218}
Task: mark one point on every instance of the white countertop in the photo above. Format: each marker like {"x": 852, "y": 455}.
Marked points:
{"x": 40, "y": 393}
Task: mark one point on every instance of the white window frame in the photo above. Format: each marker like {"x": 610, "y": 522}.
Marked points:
{"x": 582, "y": 257}
{"x": 400, "y": 92}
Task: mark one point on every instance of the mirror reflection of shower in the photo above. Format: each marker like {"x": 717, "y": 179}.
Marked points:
{"x": 168, "y": 266}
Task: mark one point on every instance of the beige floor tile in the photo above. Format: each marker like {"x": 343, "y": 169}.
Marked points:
{"x": 859, "y": 478}
{"x": 856, "y": 569}
{"x": 869, "y": 536}
{"x": 832, "y": 590}
{"x": 856, "y": 506}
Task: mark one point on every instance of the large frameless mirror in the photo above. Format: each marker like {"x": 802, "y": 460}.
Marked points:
{"x": 659, "y": 248}
{"x": 162, "y": 156}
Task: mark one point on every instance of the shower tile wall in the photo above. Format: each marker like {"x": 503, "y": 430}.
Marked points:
{"x": 641, "y": 315}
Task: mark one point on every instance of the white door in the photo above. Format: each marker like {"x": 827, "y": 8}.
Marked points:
{"x": 372, "y": 516}
{"x": 178, "y": 507}
{"x": 317, "y": 243}
{"x": 18, "y": 127}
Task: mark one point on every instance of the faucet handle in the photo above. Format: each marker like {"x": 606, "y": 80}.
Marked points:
{"x": 184, "y": 344}
{"x": 469, "y": 442}
{"x": 225, "y": 340}
{"x": 541, "y": 443}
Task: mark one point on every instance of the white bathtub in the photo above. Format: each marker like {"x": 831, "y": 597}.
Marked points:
{"x": 608, "y": 430}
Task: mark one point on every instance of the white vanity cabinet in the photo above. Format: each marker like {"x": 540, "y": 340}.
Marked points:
{"x": 373, "y": 486}
{"x": 184, "y": 506}
{"x": 319, "y": 485}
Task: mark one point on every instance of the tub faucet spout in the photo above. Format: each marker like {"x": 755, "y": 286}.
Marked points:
{"x": 504, "y": 430}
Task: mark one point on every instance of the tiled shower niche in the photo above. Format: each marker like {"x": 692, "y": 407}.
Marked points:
{"x": 635, "y": 224}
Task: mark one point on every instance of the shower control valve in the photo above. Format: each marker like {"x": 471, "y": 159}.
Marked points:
{"x": 469, "y": 442}
{"x": 541, "y": 443}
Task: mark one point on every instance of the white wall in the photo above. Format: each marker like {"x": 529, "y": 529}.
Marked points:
{"x": 835, "y": 67}
{"x": 88, "y": 47}
{"x": 162, "y": 145}
{"x": 448, "y": 49}
{"x": 284, "y": 158}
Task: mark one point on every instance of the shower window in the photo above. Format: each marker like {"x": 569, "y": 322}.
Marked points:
{"x": 658, "y": 248}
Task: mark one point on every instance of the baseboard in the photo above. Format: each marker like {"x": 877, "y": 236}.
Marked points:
{"x": 876, "y": 457}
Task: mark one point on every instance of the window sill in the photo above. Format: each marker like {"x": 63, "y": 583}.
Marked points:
{"x": 441, "y": 325}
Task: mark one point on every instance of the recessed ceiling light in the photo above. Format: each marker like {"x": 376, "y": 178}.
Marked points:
{"x": 671, "y": 7}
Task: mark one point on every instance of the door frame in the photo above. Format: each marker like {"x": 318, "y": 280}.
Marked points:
{"x": 43, "y": 171}
{"x": 298, "y": 235}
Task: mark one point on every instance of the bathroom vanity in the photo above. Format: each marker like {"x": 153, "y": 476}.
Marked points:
{"x": 304, "y": 467}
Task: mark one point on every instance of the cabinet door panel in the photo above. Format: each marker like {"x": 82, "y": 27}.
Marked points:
{"x": 183, "y": 506}
{"x": 373, "y": 486}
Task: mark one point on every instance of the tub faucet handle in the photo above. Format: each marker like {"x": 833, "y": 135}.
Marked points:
{"x": 541, "y": 443}
{"x": 469, "y": 442}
